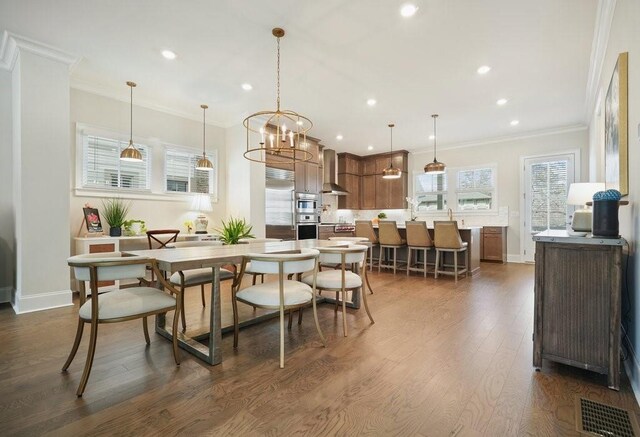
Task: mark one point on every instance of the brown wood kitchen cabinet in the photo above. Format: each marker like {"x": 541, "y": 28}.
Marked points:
{"x": 494, "y": 243}
{"x": 364, "y": 174}
{"x": 307, "y": 177}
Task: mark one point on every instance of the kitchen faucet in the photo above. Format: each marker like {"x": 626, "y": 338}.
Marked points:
{"x": 450, "y": 213}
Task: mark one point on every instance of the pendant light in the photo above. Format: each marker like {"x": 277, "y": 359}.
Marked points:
{"x": 391, "y": 172}
{"x": 203, "y": 163}
{"x": 130, "y": 153}
{"x": 279, "y": 133}
{"x": 435, "y": 167}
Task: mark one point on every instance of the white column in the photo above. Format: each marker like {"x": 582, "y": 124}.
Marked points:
{"x": 41, "y": 171}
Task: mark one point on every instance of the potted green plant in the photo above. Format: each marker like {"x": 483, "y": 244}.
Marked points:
{"x": 134, "y": 227}
{"x": 115, "y": 213}
{"x": 381, "y": 216}
{"x": 233, "y": 230}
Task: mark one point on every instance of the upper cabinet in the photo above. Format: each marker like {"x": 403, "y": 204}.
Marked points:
{"x": 362, "y": 177}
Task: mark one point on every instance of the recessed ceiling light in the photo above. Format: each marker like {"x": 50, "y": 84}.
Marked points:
{"x": 501, "y": 102}
{"x": 408, "y": 10}
{"x": 371, "y": 102}
{"x": 370, "y": 148}
{"x": 339, "y": 137}
{"x": 431, "y": 137}
{"x": 168, "y": 54}
{"x": 484, "y": 69}
{"x": 515, "y": 122}
{"x": 247, "y": 86}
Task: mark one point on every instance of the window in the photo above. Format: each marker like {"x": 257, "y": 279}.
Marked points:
{"x": 431, "y": 192}
{"x": 181, "y": 175}
{"x": 475, "y": 189}
{"x": 461, "y": 189}
{"x": 102, "y": 167}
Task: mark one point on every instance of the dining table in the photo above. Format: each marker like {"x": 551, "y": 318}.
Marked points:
{"x": 187, "y": 258}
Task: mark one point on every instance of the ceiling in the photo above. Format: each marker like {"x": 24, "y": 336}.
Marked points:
{"x": 336, "y": 55}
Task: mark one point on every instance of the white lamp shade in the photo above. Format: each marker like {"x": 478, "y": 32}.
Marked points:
{"x": 582, "y": 192}
{"x": 201, "y": 203}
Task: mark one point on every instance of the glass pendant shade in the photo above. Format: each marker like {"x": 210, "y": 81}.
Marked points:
{"x": 280, "y": 134}
{"x": 130, "y": 153}
{"x": 435, "y": 167}
{"x": 391, "y": 172}
{"x": 204, "y": 163}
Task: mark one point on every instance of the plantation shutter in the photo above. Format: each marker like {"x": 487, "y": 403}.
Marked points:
{"x": 549, "y": 189}
{"x": 102, "y": 167}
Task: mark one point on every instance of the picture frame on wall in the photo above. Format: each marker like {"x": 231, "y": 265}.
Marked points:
{"x": 92, "y": 220}
{"x": 616, "y": 140}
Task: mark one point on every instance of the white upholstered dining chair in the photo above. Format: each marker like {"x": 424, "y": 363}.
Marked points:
{"x": 281, "y": 295}
{"x": 119, "y": 305}
{"x": 343, "y": 280}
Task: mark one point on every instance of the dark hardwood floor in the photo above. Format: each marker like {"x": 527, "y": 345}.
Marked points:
{"x": 440, "y": 360}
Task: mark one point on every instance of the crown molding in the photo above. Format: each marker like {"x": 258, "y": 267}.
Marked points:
{"x": 12, "y": 44}
{"x": 604, "y": 18}
{"x": 504, "y": 139}
{"x": 111, "y": 93}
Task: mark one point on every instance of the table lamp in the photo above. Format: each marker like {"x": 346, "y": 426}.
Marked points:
{"x": 579, "y": 194}
{"x": 201, "y": 203}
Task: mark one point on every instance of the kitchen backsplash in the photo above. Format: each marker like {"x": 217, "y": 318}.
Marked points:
{"x": 331, "y": 214}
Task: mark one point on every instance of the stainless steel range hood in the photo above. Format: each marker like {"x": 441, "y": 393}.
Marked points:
{"x": 330, "y": 185}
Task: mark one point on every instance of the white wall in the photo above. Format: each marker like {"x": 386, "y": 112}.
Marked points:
{"x": 506, "y": 155}
{"x": 625, "y": 37}
{"x": 245, "y": 182}
{"x": 7, "y": 230}
{"x": 159, "y": 212}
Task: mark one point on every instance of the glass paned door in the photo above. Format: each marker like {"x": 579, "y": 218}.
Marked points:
{"x": 547, "y": 181}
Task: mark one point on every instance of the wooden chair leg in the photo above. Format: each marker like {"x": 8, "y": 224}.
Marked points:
{"x": 337, "y": 301}
{"x": 253, "y": 282}
{"x": 300, "y": 315}
{"x": 366, "y": 305}
{"x": 202, "y": 295}
{"x": 145, "y": 328}
{"x": 315, "y": 318}
{"x": 76, "y": 343}
{"x": 344, "y": 312}
{"x": 281, "y": 337}
{"x": 236, "y": 328}
{"x": 290, "y": 319}
{"x": 182, "y": 311}
{"x": 90, "y": 354}
{"x": 174, "y": 334}
{"x": 366, "y": 278}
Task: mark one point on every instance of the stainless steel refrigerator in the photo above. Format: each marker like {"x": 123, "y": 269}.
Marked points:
{"x": 280, "y": 204}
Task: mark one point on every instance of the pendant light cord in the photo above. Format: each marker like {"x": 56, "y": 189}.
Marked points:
{"x": 131, "y": 115}
{"x": 391, "y": 154}
{"x": 435, "y": 137}
{"x": 278, "y": 77}
{"x": 204, "y": 131}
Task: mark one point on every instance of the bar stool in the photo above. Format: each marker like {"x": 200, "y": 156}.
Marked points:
{"x": 418, "y": 239}
{"x": 364, "y": 228}
{"x": 389, "y": 240}
{"x": 447, "y": 239}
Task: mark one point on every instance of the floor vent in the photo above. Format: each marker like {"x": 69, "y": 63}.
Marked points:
{"x": 598, "y": 419}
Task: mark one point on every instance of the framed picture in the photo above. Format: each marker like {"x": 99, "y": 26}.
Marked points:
{"x": 92, "y": 219}
{"x": 615, "y": 129}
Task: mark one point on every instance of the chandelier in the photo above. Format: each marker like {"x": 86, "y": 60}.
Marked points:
{"x": 278, "y": 135}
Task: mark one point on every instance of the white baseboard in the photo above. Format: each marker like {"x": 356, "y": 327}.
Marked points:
{"x": 632, "y": 367}
{"x": 512, "y": 258}
{"x": 42, "y": 301}
{"x": 5, "y": 294}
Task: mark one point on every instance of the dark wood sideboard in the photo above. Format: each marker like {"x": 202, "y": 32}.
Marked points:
{"x": 577, "y": 309}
